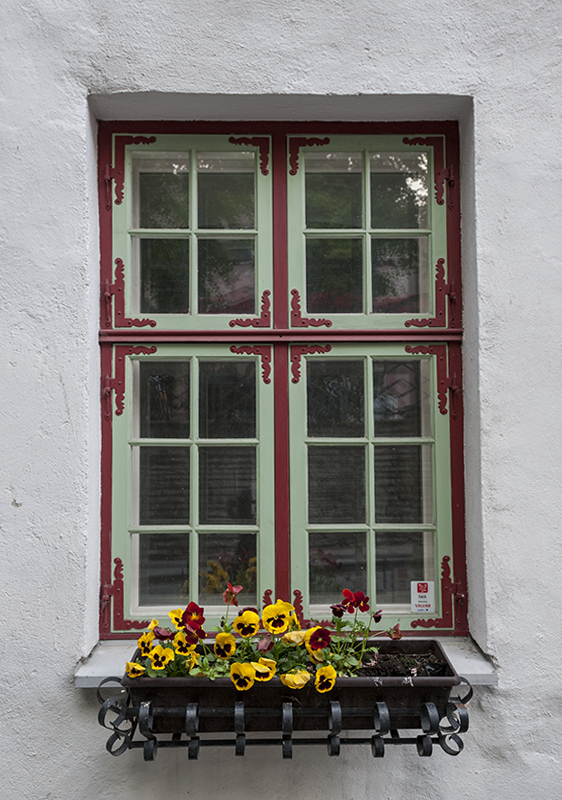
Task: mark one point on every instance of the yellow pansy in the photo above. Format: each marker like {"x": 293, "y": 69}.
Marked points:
{"x": 181, "y": 645}
{"x": 160, "y": 656}
{"x": 295, "y": 680}
{"x": 176, "y": 617}
{"x": 242, "y": 676}
{"x": 276, "y": 617}
{"x": 225, "y": 645}
{"x": 325, "y": 679}
{"x": 153, "y": 624}
{"x": 145, "y": 643}
{"x": 191, "y": 659}
{"x": 247, "y": 624}
{"x": 316, "y": 656}
{"x": 265, "y": 669}
{"x": 294, "y": 637}
{"x": 133, "y": 670}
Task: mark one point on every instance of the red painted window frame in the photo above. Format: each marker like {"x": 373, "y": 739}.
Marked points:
{"x": 453, "y": 586}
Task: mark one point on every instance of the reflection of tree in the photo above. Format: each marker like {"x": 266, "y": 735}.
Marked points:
{"x": 399, "y": 191}
{"x": 333, "y": 200}
{"x": 396, "y": 265}
{"x": 164, "y": 199}
{"x": 335, "y": 398}
{"x": 226, "y": 276}
{"x": 234, "y": 562}
{"x": 334, "y": 275}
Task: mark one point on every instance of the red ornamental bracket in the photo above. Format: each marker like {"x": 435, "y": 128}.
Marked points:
{"x": 448, "y": 591}
{"x": 117, "y": 290}
{"x": 295, "y": 145}
{"x": 117, "y": 173}
{"x": 117, "y": 384}
{"x": 264, "y": 351}
{"x": 267, "y": 597}
{"x": 442, "y": 290}
{"x": 115, "y": 590}
{"x": 298, "y": 321}
{"x": 263, "y": 321}
{"x": 300, "y": 350}
{"x": 262, "y": 142}
{"x": 444, "y": 383}
{"x": 440, "y": 173}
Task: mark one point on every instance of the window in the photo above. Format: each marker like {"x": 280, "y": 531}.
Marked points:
{"x": 280, "y": 335}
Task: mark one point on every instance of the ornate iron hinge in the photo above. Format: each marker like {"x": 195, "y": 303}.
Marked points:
{"x": 117, "y": 384}
{"x": 117, "y": 290}
{"x": 114, "y": 591}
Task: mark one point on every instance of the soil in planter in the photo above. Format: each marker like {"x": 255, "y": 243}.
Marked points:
{"x": 404, "y": 664}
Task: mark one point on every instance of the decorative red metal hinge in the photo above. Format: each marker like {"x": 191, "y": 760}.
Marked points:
{"x": 441, "y": 174}
{"x": 262, "y": 142}
{"x": 299, "y": 350}
{"x": 299, "y": 321}
{"x": 263, "y": 321}
{"x": 263, "y": 350}
{"x": 295, "y": 145}
{"x": 442, "y": 291}
{"x": 115, "y": 590}
{"x": 117, "y": 290}
{"x": 117, "y": 384}
{"x": 445, "y": 381}
{"x": 117, "y": 173}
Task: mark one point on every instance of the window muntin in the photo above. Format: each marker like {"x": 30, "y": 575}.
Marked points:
{"x": 352, "y": 261}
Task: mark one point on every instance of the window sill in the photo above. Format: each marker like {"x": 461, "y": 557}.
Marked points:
{"x": 109, "y": 657}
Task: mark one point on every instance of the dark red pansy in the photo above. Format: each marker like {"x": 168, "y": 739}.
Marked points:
{"x": 229, "y": 594}
{"x": 163, "y": 633}
{"x": 320, "y": 639}
{"x": 193, "y": 615}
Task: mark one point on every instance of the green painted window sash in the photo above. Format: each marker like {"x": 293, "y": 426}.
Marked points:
{"x": 440, "y": 528}
{"x": 124, "y": 529}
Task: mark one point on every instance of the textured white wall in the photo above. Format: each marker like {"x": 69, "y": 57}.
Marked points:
{"x": 496, "y": 66}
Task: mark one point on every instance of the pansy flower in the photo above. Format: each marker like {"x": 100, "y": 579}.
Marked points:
{"x": 265, "y": 669}
{"x": 317, "y": 638}
{"x": 193, "y": 616}
{"x": 242, "y": 676}
{"x": 265, "y": 643}
{"x": 133, "y": 670}
{"x": 338, "y": 610}
{"x": 193, "y": 634}
{"x": 325, "y": 679}
{"x": 276, "y": 617}
{"x": 145, "y": 643}
{"x": 229, "y": 594}
{"x": 355, "y": 600}
{"x": 163, "y": 633}
{"x": 160, "y": 656}
{"x": 294, "y": 637}
{"x": 377, "y": 616}
{"x": 154, "y": 623}
{"x": 225, "y": 645}
{"x": 181, "y": 645}
{"x": 395, "y": 633}
{"x": 176, "y": 617}
{"x": 247, "y": 624}
{"x": 295, "y": 680}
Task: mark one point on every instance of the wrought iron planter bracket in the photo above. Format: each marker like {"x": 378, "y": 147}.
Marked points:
{"x": 116, "y": 714}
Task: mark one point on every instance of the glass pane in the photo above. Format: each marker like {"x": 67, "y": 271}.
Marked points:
{"x": 227, "y": 557}
{"x": 227, "y": 485}
{"x": 163, "y": 569}
{"x": 399, "y": 190}
{"x": 164, "y": 486}
{"x": 164, "y": 276}
{"x": 163, "y": 187}
{"x": 336, "y": 484}
{"x": 400, "y": 275}
{"x": 334, "y": 276}
{"x": 226, "y": 283}
{"x": 164, "y": 399}
{"x": 333, "y": 190}
{"x": 225, "y": 190}
{"x": 335, "y": 398}
{"x": 227, "y": 399}
{"x": 403, "y": 491}
{"x": 399, "y": 560}
{"x": 336, "y": 561}
{"x": 402, "y": 401}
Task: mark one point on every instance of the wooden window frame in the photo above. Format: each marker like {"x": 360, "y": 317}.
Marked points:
{"x": 282, "y": 329}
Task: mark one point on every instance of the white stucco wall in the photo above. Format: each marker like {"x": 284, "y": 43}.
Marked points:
{"x": 496, "y": 67}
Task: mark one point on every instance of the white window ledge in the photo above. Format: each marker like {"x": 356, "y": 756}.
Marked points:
{"x": 108, "y": 658}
